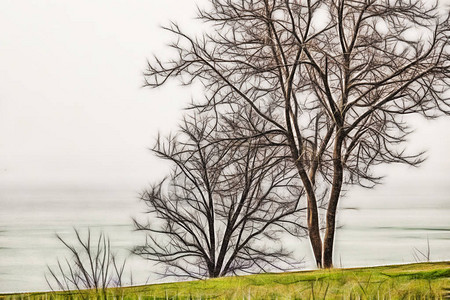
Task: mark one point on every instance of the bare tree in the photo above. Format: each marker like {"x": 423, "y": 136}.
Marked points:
{"x": 92, "y": 266}
{"x": 222, "y": 208}
{"x": 332, "y": 79}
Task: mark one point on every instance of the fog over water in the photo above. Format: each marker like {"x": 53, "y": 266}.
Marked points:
{"x": 75, "y": 127}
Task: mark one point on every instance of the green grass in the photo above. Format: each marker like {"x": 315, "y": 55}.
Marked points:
{"x": 412, "y": 281}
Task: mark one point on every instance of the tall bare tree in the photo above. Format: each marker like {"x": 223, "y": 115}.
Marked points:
{"x": 333, "y": 79}
{"x": 223, "y": 206}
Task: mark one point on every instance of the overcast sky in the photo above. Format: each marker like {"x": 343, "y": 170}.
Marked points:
{"x": 72, "y": 110}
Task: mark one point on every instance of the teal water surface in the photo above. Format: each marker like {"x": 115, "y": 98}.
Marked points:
{"x": 372, "y": 233}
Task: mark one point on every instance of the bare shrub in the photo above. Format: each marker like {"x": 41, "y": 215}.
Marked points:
{"x": 92, "y": 265}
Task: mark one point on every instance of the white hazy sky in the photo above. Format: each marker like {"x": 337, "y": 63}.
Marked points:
{"x": 72, "y": 110}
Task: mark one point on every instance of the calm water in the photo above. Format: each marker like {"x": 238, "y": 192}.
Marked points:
{"x": 373, "y": 233}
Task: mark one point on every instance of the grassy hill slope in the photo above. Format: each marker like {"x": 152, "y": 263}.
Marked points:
{"x": 412, "y": 281}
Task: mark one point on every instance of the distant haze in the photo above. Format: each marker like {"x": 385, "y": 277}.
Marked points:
{"x": 72, "y": 110}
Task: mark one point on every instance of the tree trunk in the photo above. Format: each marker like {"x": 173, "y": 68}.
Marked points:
{"x": 328, "y": 242}
{"x": 336, "y": 188}
{"x": 313, "y": 217}
{"x": 314, "y": 235}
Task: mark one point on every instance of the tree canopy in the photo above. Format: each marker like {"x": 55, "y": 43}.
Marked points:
{"x": 326, "y": 82}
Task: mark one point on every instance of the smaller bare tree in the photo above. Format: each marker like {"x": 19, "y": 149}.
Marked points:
{"x": 223, "y": 207}
{"x": 92, "y": 266}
